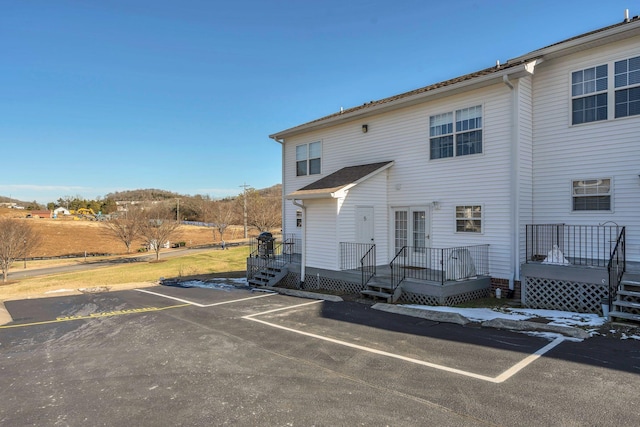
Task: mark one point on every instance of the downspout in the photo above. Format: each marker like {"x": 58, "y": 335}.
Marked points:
{"x": 304, "y": 220}
{"x": 281, "y": 142}
{"x": 513, "y": 185}
{"x": 303, "y": 261}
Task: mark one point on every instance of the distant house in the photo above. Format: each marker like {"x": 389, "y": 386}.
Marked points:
{"x": 61, "y": 211}
{"x": 40, "y": 214}
{"x": 484, "y": 176}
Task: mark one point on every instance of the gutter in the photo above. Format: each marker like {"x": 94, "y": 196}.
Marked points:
{"x": 513, "y": 184}
{"x": 303, "y": 261}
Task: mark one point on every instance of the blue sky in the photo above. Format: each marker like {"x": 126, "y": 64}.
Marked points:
{"x": 99, "y": 96}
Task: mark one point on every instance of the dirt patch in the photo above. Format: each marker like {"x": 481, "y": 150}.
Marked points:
{"x": 69, "y": 237}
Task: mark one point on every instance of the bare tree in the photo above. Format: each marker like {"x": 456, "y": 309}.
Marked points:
{"x": 126, "y": 226}
{"x": 17, "y": 239}
{"x": 263, "y": 211}
{"x": 222, "y": 214}
{"x": 157, "y": 227}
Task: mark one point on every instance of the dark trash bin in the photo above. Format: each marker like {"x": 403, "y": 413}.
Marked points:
{"x": 265, "y": 244}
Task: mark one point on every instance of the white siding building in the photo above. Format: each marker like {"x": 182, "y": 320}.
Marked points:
{"x": 550, "y": 137}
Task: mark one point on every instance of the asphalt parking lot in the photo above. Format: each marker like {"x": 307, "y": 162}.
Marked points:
{"x": 192, "y": 356}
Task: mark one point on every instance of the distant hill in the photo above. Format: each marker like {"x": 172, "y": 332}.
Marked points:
{"x": 143, "y": 194}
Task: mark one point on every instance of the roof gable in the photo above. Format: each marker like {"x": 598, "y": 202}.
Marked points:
{"x": 339, "y": 181}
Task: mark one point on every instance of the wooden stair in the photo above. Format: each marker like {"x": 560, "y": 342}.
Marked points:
{"x": 269, "y": 276}
{"x": 378, "y": 288}
{"x": 626, "y": 307}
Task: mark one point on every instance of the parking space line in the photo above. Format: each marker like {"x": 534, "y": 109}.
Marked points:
{"x": 95, "y": 316}
{"x": 205, "y": 305}
{"x": 496, "y": 380}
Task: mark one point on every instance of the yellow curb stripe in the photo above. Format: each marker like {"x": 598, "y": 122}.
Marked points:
{"x": 96, "y": 315}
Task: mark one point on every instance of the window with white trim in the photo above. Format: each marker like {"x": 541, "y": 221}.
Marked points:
{"x": 469, "y": 219}
{"x": 592, "y": 91}
{"x": 447, "y": 140}
{"x": 298, "y": 218}
{"x": 308, "y": 159}
{"x": 591, "y": 194}
{"x": 627, "y": 87}
{"x": 589, "y": 94}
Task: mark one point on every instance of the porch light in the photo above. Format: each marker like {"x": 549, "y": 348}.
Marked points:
{"x": 365, "y": 128}
{"x": 436, "y": 205}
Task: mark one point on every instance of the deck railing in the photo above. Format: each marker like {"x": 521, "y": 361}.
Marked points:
{"x": 439, "y": 264}
{"x": 588, "y": 245}
{"x": 617, "y": 265}
{"x": 275, "y": 253}
{"x": 359, "y": 256}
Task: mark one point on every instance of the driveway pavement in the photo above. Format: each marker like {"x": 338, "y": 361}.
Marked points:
{"x": 176, "y": 356}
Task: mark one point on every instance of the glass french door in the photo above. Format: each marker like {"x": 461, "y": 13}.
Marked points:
{"x": 412, "y": 229}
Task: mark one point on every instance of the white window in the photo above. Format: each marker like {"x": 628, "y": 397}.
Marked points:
{"x": 589, "y": 94}
{"x": 298, "y": 218}
{"x": 469, "y": 219}
{"x": 447, "y": 140}
{"x": 592, "y": 91}
{"x": 592, "y": 194}
{"x": 627, "y": 83}
{"x": 308, "y": 159}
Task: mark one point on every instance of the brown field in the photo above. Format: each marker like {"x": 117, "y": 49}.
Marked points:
{"x": 65, "y": 236}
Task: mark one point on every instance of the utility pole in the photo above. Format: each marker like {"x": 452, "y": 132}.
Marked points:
{"x": 244, "y": 196}
{"x": 178, "y": 211}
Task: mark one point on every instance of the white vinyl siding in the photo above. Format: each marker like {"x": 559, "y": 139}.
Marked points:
{"x": 564, "y": 153}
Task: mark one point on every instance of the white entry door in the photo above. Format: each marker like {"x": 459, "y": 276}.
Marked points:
{"x": 412, "y": 228}
{"x": 365, "y": 230}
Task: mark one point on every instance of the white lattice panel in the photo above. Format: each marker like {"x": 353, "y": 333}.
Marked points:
{"x": 564, "y": 295}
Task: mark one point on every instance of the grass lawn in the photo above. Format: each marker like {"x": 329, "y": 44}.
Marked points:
{"x": 230, "y": 263}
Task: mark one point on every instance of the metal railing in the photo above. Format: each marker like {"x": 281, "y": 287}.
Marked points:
{"x": 359, "y": 256}
{"x": 439, "y": 264}
{"x": 617, "y": 266}
{"x": 269, "y": 254}
{"x": 589, "y": 245}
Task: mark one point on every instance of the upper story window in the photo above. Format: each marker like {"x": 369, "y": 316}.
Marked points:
{"x": 627, "y": 83}
{"x": 592, "y": 91}
{"x": 447, "y": 140}
{"x": 308, "y": 159}
{"x": 592, "y": 194}
{"x": 589, "y": 94}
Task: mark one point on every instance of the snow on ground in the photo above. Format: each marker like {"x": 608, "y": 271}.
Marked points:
{"x": 222, "y": 284}
{"x": 556, "y": 317}
{"x": 590, "y": 322}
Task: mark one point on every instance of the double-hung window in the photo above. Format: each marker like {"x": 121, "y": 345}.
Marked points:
{"x": 627, "y": 83}
{"x": 308, "y": 159}
{"x": 457, "y": 133}
{"x": 592, "y": 91}
{"x": 589, "y": 94}
{"x": 592, "y": 194}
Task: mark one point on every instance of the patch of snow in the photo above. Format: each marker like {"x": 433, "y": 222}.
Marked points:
{"x": 59, "y": 290}
{"x": 630, "y": 337}
{"x": 473, "y": 314}
{"x": 220, "y": 284}
{"x": 563, "y": 318}
{"x": 556, "y": 317}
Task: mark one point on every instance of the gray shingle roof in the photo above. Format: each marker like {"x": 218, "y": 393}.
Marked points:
{"x": 338, "y": 180}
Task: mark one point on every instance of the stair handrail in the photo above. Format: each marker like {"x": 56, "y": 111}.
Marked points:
{"x": 617, "y": 260}
{"x": 266, "y": 262}
{"x": 369, "y": 270}
{"x": 396, "y": 278}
